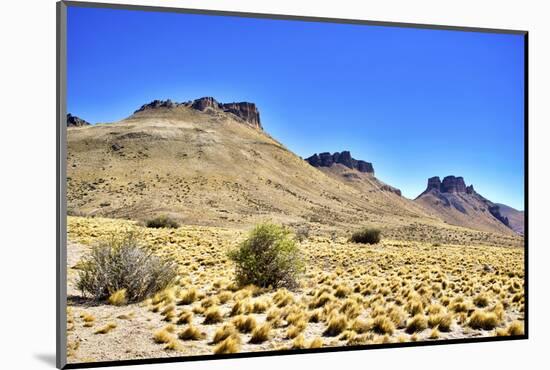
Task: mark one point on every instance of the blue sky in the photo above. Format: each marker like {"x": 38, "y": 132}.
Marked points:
{"x": 417, "y": 103}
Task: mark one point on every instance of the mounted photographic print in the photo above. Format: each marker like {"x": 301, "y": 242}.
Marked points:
{"x": 234, "y": 184}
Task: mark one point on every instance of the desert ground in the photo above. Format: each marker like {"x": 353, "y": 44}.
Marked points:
{"x": 394, "y": 291}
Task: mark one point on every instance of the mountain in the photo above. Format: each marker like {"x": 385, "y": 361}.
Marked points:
{"x": 458, "y": 204}
{"x": 74, "y": 121}
{"x": 516, "y": 219}
{"x": 210, "y": 163}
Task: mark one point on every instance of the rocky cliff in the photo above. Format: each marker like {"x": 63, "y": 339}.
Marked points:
{"x": 326, "y": 160}
{"x": 245, "y": 111}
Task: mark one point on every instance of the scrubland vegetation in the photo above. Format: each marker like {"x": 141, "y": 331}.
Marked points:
{"x": 240, "y": 291}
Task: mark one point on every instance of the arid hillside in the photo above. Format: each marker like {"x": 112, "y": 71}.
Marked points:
{"x": 205, "y": 164}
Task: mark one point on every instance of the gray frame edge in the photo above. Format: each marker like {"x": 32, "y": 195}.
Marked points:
{"x": 287, "y": 17}
{"x": 61, "y": 175}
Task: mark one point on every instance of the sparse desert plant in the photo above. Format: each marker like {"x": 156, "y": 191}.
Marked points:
{"x": 417, "y": 323}
{"x": 162, "y": 221}
{"x": 261, "y": 333}
{"x": 383, "y": 325}
{"x": 268, "y": 257}
{"x": 336, "y": 325}
{"x": 481, "y": 300}
{"x": 515, "y": 328}
{"x": 245, "y": 324}
{"x": 316, "y": 343}
{"x": 366, "y": 236}
{"x": 212, "y": 315}
{"x": 441, "y": 321}
{"x": 162, "y": 336}
{"x": 121, "y": 263}
{"x": 230, "y": 344}
{"x": 224, "y": 332}
{"x": 189, "y": 296}
{"x": 185, "y": 317}
{"x": 118, "y": 298}
{"x": 299, "y": 342}
{"x": 191, "y": 333}
{"x": 483, "y": 320}
{"x": 105, "y": 329}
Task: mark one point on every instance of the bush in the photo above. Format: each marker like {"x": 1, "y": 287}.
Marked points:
{"x": 162, "y": 221}
{"x": 120, "y": 264}
{"x": 268, "y": 257}
{"x": 366, "y": 236}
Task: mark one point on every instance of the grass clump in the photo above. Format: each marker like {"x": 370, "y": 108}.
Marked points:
{"x": 230, "y": 344}
{"x": 417, "y": 323}
{"x": 483, "y": 320}
{"x": 261, "y": 333}
{"x": 212, "y": 315}
{"x": 366, "y": 236}
{"x": 191, "y": 333}
{"x": 245, "y": 324}
{"x": 121, "y": 264}
{"x": 162, "y": 221}
{"x": 336, "y": 325}
{"x": 118, "y": 298}
{"x": 383, "y": 325}
{"x": 223, "y": 333}
{"x": 269, "y": 257}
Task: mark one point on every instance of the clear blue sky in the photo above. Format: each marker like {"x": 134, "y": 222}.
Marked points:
{"x": 417, "y": 103}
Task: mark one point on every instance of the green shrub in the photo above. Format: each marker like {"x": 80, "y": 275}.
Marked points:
{"x": 366, "y": 236}
{"x": 162, "y": 221}
{"x": 121, "y": 263}
{"x": 268, "y": 257}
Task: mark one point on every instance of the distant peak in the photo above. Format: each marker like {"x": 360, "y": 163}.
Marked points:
{"x": 246, "y": 111}
{"x": 344, "y": 158}
{"x": 74, "y": 121}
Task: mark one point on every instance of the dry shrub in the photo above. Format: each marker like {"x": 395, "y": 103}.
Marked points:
{"x": 269, "y": 257}
{"x": 191, "y": 333}
{"x": 162, "y": 221}
{"x": 366, "y": 236}
{"x": 245, "y": 324}
{"x": 336, "y": 325}
{"x": 120, "y": 263}
{"x": 107, "y": 328}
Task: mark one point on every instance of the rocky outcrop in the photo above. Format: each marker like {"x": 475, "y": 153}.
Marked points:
{"x": 391, "y": 189}
{"x": 248, "y": 112}
{"x": 450, "y": 184}
{"x": 344, "y": 158}
{"x": 494, "y": 209}
{"x": 74, "y": 121}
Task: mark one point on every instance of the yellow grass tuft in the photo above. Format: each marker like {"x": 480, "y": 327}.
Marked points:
{"x": 383, "y": 325}
{"x": 118, "y": 298}
{"x": 191, "y": 333}
{"x": 212, "y": 315}
{"x": 417, "y": 323}
{"x": 483, "y": 320}
{"x": 231, "y": 344}
{"x": 261, "y": 333}
{"x": 245, "y": 324}
{"x": 224, "y": 332}
{"x": 107, "y": 328}
{"x": 336, "y": 325}
{"x": 162, "y": 336}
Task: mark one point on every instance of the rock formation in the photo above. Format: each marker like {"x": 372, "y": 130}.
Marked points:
{"x": 248, "y": 112}
{"x": 344, "y": 158}
{"x": 450, "y": 184}
{"x": 74, "y": 121}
